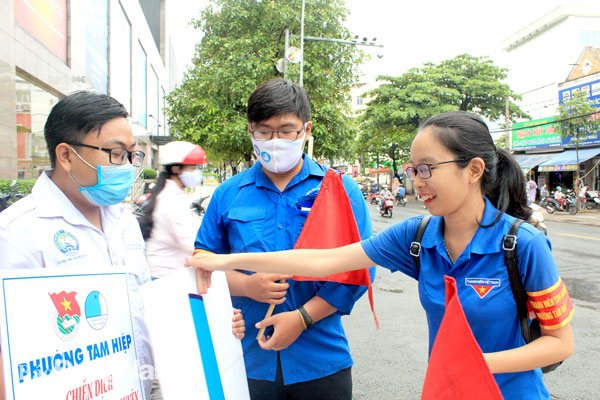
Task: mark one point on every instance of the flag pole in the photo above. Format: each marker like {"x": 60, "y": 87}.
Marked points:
{"x": 270, "y": 310}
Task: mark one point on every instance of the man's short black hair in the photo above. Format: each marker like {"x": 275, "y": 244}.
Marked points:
{"x": 78, "y": 114}
{"x": 278, "y": 97}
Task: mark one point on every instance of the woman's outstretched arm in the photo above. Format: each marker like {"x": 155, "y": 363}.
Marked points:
{"x": 316, "y": 263}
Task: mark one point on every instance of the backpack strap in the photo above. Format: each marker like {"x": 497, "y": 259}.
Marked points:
{"x": 415, "y": 246}
{"x": 509, "y": 244}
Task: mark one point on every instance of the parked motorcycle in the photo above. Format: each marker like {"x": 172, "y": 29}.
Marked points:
{"x": 388, "y": 205}
{"x": 592, "y": 200}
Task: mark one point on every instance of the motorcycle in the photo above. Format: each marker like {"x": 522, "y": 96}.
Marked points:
{"x": 373, "y": 197}
{"x": 592, "y": 201}
{"x": 197, "y": 206}
{"x": 139, "y": 205}
{"x": 551, "y": 205}
{"x": 386, "y": 209}
{"x": 401, "y": 201}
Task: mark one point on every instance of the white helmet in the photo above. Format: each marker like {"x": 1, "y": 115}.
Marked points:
{"x": 181, "y": 153}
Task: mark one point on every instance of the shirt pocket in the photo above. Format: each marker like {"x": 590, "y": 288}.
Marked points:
{"x": 246, "y": 228}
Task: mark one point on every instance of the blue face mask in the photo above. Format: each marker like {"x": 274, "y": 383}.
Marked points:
{"x": 114, "y": 184}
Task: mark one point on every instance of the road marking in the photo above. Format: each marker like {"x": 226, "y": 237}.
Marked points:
{"x": 577, "y": 236}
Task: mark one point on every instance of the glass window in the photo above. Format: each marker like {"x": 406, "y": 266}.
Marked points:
{"x": 140, "y": 72}
{"x": 33, "y": 106}
{"x": 153, "y": 118}
{"x": 120, "y": 55}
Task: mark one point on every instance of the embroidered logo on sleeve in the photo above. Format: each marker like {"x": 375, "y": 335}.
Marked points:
{"x": 482, "y": 286}
{"x": 552, "y": 306}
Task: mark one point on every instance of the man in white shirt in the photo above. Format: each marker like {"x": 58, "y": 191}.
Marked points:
{"x": 73, "y": 216}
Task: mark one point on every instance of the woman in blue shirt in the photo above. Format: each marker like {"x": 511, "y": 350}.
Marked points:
{"x": 474, "y": 191}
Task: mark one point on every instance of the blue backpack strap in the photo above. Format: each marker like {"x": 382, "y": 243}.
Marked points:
{"x": 415, "y": 246}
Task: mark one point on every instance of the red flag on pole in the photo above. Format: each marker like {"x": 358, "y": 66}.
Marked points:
{"x": 331, "y": 224}
{"x": 456, "y": 367}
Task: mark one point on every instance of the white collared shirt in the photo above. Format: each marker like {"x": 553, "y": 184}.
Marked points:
{"x": 45, "y": 230}
{"x": 173, "y": 232}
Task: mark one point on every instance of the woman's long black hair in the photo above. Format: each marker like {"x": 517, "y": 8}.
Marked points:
{"x": 467, "y": 137}
{"x": 147, "y": 221}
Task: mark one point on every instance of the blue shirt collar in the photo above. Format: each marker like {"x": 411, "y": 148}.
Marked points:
{"x": 485, "y": 241}
{"x": 257, "y": 176}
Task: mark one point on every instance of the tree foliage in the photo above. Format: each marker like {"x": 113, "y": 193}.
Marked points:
{"x": 463, "y": 83}
{"x": 577, "y": 118}
{"x": 243, "y": 39}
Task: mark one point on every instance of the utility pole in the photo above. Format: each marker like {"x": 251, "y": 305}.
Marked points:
{"x": 507, "y": 123}
{"x": 301, "y": 80}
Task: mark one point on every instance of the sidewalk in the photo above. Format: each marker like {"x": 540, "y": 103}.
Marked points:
{"x": 583, "y": 217}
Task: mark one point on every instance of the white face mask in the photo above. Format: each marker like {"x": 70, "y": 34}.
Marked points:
{"x": 191, "y": 178}
{"x": 278, "y": 155}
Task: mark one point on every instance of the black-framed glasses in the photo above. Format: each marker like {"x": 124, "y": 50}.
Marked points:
{"x": 424, "y": 170}
{"x": 118, "y": 155}
{"x": 288, "y": 134}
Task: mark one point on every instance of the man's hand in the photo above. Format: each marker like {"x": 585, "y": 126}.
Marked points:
{"x": 287, "y": 327}
{"x": 238, "y": 325}
{"x": 266, "y": 288}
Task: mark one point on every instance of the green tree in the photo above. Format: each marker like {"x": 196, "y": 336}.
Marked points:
{"x": 578, "y": 117}
{"x": 463, "y": 83}
{"x": 243, "y": 39}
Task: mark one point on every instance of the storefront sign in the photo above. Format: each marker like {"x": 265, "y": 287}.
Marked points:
{"x": 535, "y": 134}
{"x": 67, "y": 336}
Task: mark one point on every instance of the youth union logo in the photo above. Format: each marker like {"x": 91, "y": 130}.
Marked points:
{"x": 66, "y": 243}
{"x": 68, "y": 314}
{"x": 96, "y": 311}
{"x": 265, "y": 156}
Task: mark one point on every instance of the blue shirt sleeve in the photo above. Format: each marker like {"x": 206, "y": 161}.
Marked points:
{"x": 536, "y": 265}
{"x": 390, "y": 248}
{"x": 342, "y": 296}
{"x": 212, "y": 235}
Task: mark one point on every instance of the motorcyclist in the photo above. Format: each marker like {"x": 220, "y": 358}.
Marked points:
{"x": 385, "y": 193}
{"x": 168, "y": 225}
{"x": 560, "y": 197}
{"x": 400, "y": 193}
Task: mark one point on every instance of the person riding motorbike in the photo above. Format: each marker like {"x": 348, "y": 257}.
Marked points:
{"x": 400, "y": 193}
{"x": 560, "y": 197}
{"x": 385, "y": 193}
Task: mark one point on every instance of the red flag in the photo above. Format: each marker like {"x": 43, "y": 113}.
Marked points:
{"x": 331, "y": 224}
{"x": 65, "y": 303}
{"x": 456, "y": 367}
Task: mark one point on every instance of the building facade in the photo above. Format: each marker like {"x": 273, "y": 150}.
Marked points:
{"x": 562, "y": 48}
{"x": 51, "y": 48}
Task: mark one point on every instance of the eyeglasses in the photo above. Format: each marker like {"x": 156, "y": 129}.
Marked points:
{"x": 291, "y": 134}
{"x": 424, "y": 170}
{"x": 118, "y": 155}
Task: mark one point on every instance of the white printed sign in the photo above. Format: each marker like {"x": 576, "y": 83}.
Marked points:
{"x": 196, "y": 354}
{"x": 67, "y": 336}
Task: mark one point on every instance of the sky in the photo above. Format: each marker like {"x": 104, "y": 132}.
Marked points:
{"x": 412, "y": 32}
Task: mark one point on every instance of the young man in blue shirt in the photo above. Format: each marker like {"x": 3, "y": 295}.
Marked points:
{"x": 264, "y": 209}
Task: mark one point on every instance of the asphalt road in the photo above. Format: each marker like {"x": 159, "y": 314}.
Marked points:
{"x": 390, "y": 362}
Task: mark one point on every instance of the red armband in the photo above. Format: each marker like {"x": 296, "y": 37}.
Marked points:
{"x": 552, "y": 306}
